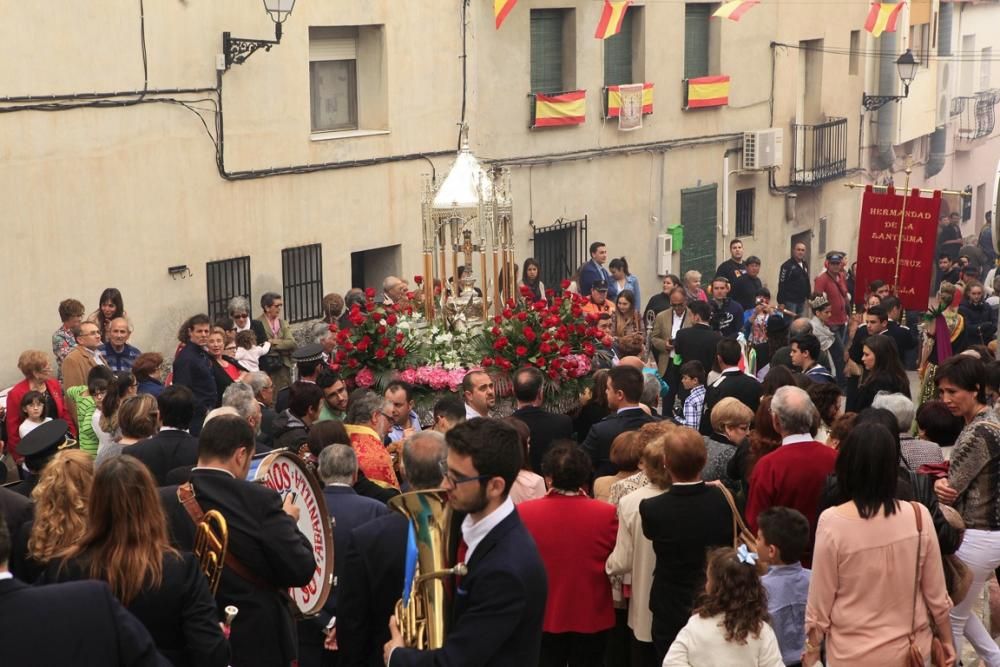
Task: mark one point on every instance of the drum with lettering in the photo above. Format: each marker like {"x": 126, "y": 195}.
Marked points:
{"x": 286, "y": 473}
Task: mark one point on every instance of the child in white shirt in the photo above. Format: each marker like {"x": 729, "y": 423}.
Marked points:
{"x": 32, "y": 412}
{"x": 248, "y": 352}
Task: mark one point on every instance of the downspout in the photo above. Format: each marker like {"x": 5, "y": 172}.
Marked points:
{"x": 887, "y": 81}
{"x": 939, "y": 140}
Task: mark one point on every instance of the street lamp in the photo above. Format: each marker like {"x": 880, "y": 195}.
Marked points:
{"x": 237, "y": 50}
{"x": 906, "y": 67}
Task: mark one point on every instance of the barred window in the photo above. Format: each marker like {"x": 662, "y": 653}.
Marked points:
{"x": 744, "y": 212}
{"x": 226, "y": 279}
{"x": 302, "y": 278}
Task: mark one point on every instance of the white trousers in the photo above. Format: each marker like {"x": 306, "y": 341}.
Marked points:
{"x": 980, "y": 551}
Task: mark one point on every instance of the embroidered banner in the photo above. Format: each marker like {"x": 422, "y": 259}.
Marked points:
{"x": 879, "y": 244}
{"x": 630, "y": 111}
{"x": 613, "y": 100}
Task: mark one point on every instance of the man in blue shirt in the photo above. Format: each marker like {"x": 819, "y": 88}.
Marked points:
{"x": 117, "y": 352}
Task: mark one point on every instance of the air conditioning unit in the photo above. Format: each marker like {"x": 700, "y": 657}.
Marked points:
{"x": 763, "y": 149}
{"x": 664, "y": 254}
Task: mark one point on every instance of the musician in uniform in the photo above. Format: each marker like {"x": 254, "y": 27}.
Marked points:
{"x": 38, "y": 448}
{"x": 500, "y": 602}
{"x": 266, "y": 552}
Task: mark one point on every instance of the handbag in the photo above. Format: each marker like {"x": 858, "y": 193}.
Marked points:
{"x": 741, "y": 534}
{"x": 957, "y": 575}
{"x": 916, "y": 658}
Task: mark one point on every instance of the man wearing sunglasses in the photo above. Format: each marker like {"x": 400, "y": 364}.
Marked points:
{"x": 499, "y": 603}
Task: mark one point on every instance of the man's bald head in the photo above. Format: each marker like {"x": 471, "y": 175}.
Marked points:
{"x": 800, "y": 326}
{"x": 394, "y": 288}
{"x": 793, "y": 411}
{"x": 634, "y": 362}
{"x": 423, "y": 453}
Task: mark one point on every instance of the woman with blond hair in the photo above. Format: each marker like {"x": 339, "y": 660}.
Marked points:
{"x": 138, "y": 418}
{"x": 730, "y": 426}
{"x": 126, "y": 544}
{"x": 37, "y": 371}
{"x": 61, "y": 499}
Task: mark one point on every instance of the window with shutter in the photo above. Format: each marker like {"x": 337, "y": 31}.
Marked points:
{"x": 333, "y": 78}
{"x": 547, "y": 50}
{"x": 698, "y": 216}
{"x": 696, "y": 17}
{"x": 618, "y": 51}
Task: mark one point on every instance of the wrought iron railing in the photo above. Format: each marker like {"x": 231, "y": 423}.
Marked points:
{"x": 560, "y": 248}
{"x": 302, "y": 279}
{"x": 226, "y": 278}
{"x": 977, "y": 114}
{"x": 819, "y": 152}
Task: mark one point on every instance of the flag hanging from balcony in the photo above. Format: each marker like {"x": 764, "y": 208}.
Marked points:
{"x": 611, "y": 18}
{"x": 734, "y": 9}
{"x": 560, "y": 109}
{"x": 882, "y": 17}
{"x": 707, "y": 91}
{"x": 501, "y": 8}
{"x": 614, "y": 100}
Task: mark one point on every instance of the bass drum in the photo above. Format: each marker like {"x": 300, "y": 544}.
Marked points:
{"x": 286, "y": 473}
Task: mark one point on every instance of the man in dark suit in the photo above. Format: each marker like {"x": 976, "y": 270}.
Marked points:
{"x": 15, "y": 509}
{"x": 193, "y": 369}
{"x": 263, "y": 538}
{"x": 338, "y": 468}
{"x": 102, "y": 634}
{"x": 372, "y": 579}
{"x": 38, "y": 447}
{"x": 698, "y": 341}
{"x": 173, "y": 446}
{"x": 499, "y": 604}
{"x": 624, "y": 392}
{"x": 594, "y": 270}
{"x": 733, "y": 382}
{"x": 545, "y": 426}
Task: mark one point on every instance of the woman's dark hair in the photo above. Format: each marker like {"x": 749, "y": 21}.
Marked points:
{"x": 325, "y": 433}
{"x": 775, "y": 341}
{"x": 826, "y": 397}
{"x": 964, "y": 372}
{"x": 524, "y": 435}
{"x": 867, "y": 469}
{"x": 628, "y": 295}
{"x": 619, "y": 263}
{"x": 777, "y": 377}
{"x": 737, "y": 593}
{"x": 938, "y": 424}
{"x": 117, "y": 389}
{"x": 113, "y": 296}
{"x": 599, "y": 395}
{"x": 531, "y": 261}
{"x": 887, "y": 365}
{"x": 764, "y": 439}
{"x": 34, "y": 397}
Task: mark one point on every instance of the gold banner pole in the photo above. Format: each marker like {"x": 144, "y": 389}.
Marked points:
{"x": 899, "y": 235}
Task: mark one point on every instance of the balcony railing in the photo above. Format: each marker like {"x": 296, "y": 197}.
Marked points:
{"x": 976, "y": 114}
{"x": 819, "y": 152}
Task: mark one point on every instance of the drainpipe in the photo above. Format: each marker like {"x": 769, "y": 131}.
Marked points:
{"x": 939, "y": 140}
{"x": 887, "y": 81}
{"x": 725, "y": 188}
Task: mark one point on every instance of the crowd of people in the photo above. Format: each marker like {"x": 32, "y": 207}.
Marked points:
{"x": 746, "y": 481}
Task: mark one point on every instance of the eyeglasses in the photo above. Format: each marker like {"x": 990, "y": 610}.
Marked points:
{"x": 456, "y": 480}
{"x": 240, "y": 316}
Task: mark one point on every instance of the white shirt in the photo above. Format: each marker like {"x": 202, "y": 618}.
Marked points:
{"x": 793, "y": 439}
{"x": 215, "y": 469}
{"x": 472, "y": 413}
{"x": 473, "y": 532}
{"x": 676, "y": 325}
{"x": 6, "y": 575}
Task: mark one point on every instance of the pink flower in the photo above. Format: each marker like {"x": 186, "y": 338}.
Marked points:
{"x": 365, "y": 378}
{"x": 409, "y": 376}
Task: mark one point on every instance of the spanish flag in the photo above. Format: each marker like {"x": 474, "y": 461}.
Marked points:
{"x": 615, "y": 100}
{"x": 611, "y": 18}
{"x": 501, "y": 8}
{"x": 882, "y": 17}
{"x": 707, "y": 91}
{"x": 560, "y": 109}
{"x": 734, "y": 9}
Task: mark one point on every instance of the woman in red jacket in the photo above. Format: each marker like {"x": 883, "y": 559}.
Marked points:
{"x": 37, "y": 370}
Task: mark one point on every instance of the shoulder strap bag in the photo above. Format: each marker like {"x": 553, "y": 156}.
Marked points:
{"x": 916, "y": 658}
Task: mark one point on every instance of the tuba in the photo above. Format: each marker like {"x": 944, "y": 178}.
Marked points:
{"x": 210, "y": 542}
{"x": 423, "y": 615}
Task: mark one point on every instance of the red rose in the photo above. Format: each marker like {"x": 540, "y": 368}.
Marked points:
{"x": 538, "y": 306}
{"x": 593, "y": 317}
{"x": 564, "y": 284}
{"x": 437, "y": 290}
{"x": 370, "y": 292}
{"x": 546, "y": 335}
{"x": 526, "y": 292}
{"x": 564, "y": 350}
{"x": 504, "y": 364}
{"x": 577, "y": 311}
{"x": 495, "y": 331}
{"x": 508, "y": 313}
{"x": 528, "y": 332}
{"x": 418, "y": 279}
{"x": 500, "y": 343}
{"x": 380, "y": 353}
{"x": 486, "y": 362}
{"x": 343, "y": 335}
{"x": 522, "y": 316}
{"x": 380, "y": 329}
{"x": 588, "y": 349}
{"x": 520, "y": 350}
{"x": 385, "y": 342}
{"x": 348, "y": 346}
{"x": 542, "y": 362}
{"x": 400, "y": 351}
{"x": 497, "y": 319}
{"x": 555, "y": 364}
{"x": 545, "y": 348}
{"x": 352, "y": 363}
{"x": 400, "y": 336}
{"x": 510, "y": 303}
{"x": 357, "y": 319}
{"x": 340, "y": 356}
{"x": 550, "y": 293}
{"x": 391, "y": 319}
{"x": 370, "y": 306}
{"x": 553, "y": 373}
{"x": 409, "y": 296}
